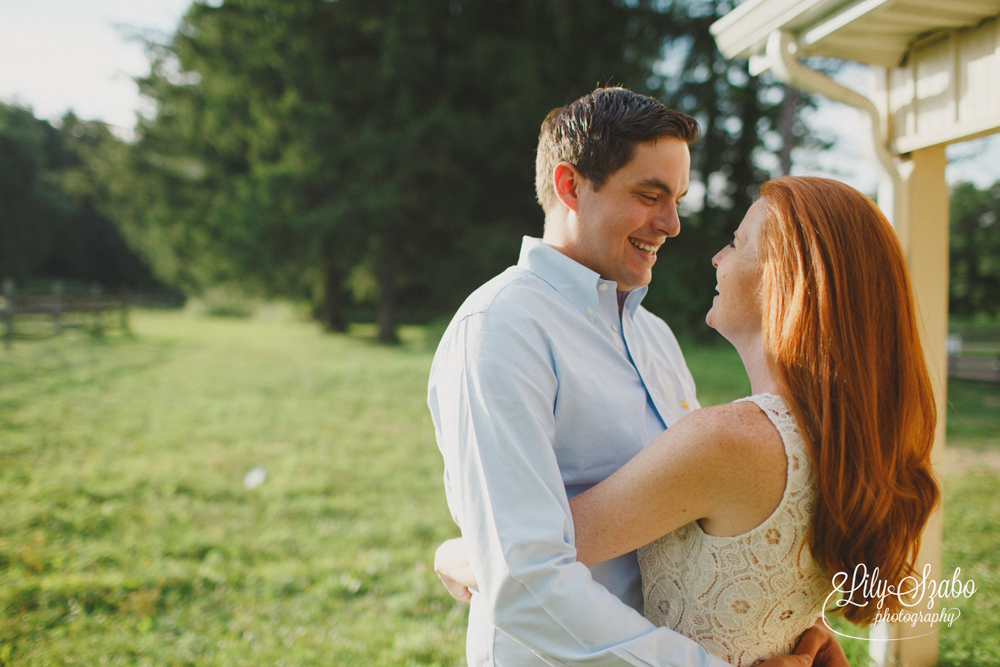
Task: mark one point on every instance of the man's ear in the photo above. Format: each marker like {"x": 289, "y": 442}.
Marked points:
{"x": 568, "y": 183}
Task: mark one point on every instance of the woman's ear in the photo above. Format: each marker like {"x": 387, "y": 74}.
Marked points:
{"x": 568, "y": 183}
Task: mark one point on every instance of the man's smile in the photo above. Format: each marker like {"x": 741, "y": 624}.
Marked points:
{"x": 648, "y": 248}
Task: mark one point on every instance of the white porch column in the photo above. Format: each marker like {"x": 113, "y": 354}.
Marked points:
{"x": 922, "y": 224}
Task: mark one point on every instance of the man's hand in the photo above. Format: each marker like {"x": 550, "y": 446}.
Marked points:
{"x": 453, "y": 569}
{"x": 821, "y": 645}
{"x": 817, "y": 646}
{"x": 795, "y": 660}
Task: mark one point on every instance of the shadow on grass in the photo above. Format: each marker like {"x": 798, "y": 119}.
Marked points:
{"x": 40, "y": 369}
{"x": 413, "y": 339}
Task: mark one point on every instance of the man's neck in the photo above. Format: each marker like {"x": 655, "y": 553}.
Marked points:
{"x": 555, "y": 237}
{"x": 622, "y": 296}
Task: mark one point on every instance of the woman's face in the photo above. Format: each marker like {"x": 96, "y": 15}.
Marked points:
{"x": 735, "y": 311}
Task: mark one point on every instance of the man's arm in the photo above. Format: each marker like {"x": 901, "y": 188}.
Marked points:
{"x": 493, "y": 392}
{"x": 817, "y": 644}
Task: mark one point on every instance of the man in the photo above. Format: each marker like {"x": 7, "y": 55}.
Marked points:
{"x": 551, "y": 376}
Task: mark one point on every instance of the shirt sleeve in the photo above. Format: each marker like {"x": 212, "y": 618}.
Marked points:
{"x": 492, "y": 395}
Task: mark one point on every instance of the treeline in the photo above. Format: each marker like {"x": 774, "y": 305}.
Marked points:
{"x": 376, "y": 157}
{"x": 51, "y": 226}
{"x": 974, "y": 280}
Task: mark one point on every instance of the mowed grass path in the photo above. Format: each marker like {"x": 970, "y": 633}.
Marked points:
{"x": 127, "y": 536}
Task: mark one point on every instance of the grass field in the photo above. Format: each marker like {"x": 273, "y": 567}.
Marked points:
{"x": 129, "y": 538}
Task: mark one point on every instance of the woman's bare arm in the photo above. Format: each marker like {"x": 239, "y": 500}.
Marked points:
{"x": 725, "y": 465}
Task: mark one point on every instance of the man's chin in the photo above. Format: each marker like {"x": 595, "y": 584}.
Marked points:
{"x": 635, "y": 282}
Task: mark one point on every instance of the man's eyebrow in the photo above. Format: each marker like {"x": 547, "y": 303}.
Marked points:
{"x": 659, "y": 185}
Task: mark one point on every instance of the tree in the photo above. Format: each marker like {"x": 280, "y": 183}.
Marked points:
{"x": 974, "y": 284}
{"x": 380, "y": 152}
{"x": 31, "y": 210}
{"x": 50, "y": 223}
{"x": 374, "y": 148}
{"x": 744, "y": 120}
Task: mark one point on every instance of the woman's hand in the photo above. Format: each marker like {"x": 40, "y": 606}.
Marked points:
{"x": 452, "y": 567}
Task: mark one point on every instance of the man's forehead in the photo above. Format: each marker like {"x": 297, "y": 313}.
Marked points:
{"x": 656, "y": 161}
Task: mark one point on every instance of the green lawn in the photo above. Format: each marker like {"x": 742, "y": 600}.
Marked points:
{"x": 974, "y": 415}
{"x": 129, "y": 538}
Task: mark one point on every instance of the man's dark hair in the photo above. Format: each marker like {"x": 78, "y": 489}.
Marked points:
{"x": 597, "y": 134}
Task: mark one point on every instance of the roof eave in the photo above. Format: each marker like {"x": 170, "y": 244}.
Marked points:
{"x": 743, "y": 32}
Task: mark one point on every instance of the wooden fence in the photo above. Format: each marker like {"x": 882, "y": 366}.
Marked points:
{"x": 977, "y": 361}
{"x": 35, "y": 316}
{"x": 979, "y": 369}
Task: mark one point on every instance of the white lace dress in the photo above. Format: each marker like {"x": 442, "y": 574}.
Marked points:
{"x": 745, "y": 598}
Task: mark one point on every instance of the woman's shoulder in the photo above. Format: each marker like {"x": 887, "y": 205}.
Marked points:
{"x": 739, "y": 424}
{"x": 748, "y": 462}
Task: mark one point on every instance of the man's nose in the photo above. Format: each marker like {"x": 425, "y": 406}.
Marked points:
{"x": 668, "y": 224}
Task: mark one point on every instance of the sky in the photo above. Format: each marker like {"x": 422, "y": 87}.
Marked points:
{"x": 62, "y": 54}
{"x": 57, "y": 55}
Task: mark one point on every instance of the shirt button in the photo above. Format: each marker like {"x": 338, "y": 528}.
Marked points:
{"x": 614, "y": 328}
{"x": 589, "y": 312}
{"x": 603, "y": 287}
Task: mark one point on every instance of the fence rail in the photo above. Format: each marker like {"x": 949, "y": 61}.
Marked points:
{"x": 979, "y": 369}
{"x": 34, "y": 316}
{"x": 977, "y": 361}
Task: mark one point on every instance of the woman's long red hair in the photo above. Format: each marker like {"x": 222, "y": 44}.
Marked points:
{"x": 840, "y": 332}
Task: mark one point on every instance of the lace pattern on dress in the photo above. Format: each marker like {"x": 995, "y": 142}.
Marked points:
{"x": 745, "y": 598}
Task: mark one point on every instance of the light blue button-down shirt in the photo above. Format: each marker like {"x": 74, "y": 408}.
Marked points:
{"x": 538, "y": 391}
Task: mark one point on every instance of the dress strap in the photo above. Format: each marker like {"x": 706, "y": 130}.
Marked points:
{"x": 769, "y": 403}
{"x": 774, "y": 407}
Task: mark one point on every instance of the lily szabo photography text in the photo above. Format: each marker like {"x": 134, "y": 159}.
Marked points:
{"x": 910, "y": 591}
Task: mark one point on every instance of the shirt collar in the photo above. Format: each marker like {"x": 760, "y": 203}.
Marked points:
{"x": 633, "y": 299}
{"x": 573, "y": 280}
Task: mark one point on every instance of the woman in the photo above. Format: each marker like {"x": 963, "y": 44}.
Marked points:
{"x": 748, "y": 509}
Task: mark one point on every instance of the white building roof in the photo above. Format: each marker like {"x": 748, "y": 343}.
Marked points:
{"x": 877, "y": 32}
